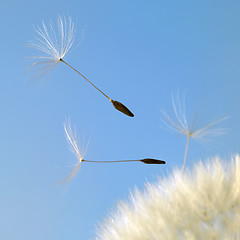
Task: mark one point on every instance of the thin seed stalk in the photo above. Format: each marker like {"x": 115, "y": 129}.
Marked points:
{"x": 85, "y": 78}
{"x": 186, "y": 150}
{"x": 119, "y": 106}
{"x": 145, "y": 160}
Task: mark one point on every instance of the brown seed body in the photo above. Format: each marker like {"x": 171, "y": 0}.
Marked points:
{"x": 152, "y": 161}
{"x": 120, "y": 107}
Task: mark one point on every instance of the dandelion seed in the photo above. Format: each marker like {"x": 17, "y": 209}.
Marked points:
{"x": 120, "y": 107}
{"x": 55, "y": 44}
{"x": 202, "y": 203}
{"x": 152, "y": 161}
{"x": 80, "y": 154}
{"x": 195, "y": 129}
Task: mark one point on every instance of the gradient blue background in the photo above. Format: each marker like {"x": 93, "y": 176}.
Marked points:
{"x": 138, "y": 52}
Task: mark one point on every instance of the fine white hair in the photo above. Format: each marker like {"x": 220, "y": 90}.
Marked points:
{"x": 201, "y": 203}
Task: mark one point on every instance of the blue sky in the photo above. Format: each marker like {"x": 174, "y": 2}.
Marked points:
{"x": 138, "y": 52}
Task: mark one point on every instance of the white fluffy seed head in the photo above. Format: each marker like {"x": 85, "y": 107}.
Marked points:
{"x": 54, "y": 41}
{"x": 77, "y": 150}
{"x": 201, "y": 203}
{"x": 195, "y": 129}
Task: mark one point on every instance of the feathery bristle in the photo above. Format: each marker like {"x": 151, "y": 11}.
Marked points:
{"x": 54, "y": 42}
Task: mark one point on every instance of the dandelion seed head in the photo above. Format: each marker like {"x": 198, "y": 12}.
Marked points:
{"x": 194, "y": 129}
{"x": 54, "y": 42}
{"x": 199, "y": 203}
{"x": 77, "y": 150}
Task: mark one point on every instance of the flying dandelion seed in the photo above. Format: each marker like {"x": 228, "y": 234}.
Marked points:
{"x": 199, "y": 203}
{"x": 55, "y": 43}
{"x": 80, "y": 152}
{"x": 195, "y": 129}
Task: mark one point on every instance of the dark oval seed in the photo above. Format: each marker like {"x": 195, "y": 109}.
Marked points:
{"x": 152, "y": 161}
{"x": 120, "y": 107}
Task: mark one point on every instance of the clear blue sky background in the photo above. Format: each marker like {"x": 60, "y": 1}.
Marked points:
{"x": 138, "y": 52}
